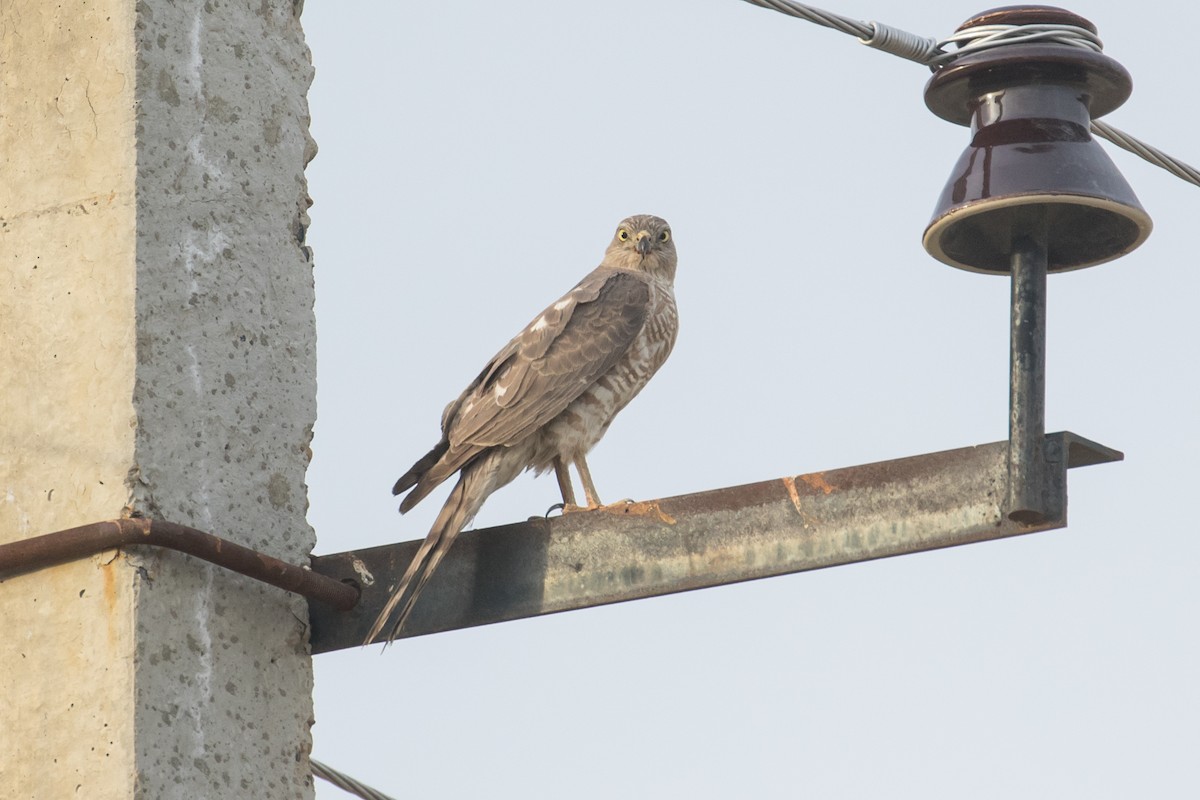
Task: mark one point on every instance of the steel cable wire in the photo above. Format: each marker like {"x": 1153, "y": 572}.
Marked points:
{"x": 933, "y": 53}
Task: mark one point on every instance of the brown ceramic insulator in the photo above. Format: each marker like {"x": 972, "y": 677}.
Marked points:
{"x": 1027, "y": 15}
{"x": 1030, "y": 107}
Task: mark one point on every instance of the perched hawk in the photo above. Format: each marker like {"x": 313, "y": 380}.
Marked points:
{"x": 549, "y": 395}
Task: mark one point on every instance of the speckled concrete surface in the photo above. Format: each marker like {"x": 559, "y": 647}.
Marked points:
{"x": 156, "y": 316}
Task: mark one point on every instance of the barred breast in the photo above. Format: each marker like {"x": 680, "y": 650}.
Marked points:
{"x": 583, "y": 423}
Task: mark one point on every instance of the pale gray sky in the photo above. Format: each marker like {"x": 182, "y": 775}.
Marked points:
{"x": 474, "y": 159}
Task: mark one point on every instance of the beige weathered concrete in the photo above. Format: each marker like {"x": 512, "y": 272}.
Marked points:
{"x": 66, "y": 720}
{"x": 67, "y": 245}
{"x": 158, "y": 359}
{"x": 67, "y": 278}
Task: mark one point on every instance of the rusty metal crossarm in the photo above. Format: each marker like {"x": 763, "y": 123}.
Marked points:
{"x": 707, "y": 539}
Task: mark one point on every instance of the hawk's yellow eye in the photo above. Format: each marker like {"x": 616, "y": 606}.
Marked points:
{"x": 623, "y": 235}
{"x": 665, "y": 236}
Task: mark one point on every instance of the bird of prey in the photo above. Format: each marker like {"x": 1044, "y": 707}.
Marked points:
{"x": 546, "y": 398}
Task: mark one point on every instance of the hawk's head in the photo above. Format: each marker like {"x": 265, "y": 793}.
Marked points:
{"x": 643, "y": 242}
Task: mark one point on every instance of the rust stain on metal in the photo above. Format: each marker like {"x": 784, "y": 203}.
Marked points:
{"x": 817, "y": 481}
{"x": 640, "y": 509}
{"x": 789, "y": 483}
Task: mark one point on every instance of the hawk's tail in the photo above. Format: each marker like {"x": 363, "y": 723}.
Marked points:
{"x": 461, "y": 506}
{"x": 415, "y": 473}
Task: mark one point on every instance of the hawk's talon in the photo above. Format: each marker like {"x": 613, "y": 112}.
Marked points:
{"x": 568, "y": 508}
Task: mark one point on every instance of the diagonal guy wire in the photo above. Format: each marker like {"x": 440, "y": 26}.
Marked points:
{"x": 345, "y": 782}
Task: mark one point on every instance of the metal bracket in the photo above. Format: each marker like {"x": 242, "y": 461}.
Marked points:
{"x": 711, "y": 538}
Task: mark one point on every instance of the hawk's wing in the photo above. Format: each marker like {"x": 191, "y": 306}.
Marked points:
{"x": 550, "y": 363}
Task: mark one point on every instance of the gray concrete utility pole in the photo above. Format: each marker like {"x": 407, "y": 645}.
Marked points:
{"x": 157, "y": 332}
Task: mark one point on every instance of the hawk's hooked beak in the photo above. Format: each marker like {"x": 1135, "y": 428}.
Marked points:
{"x": 643, "y": 242}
